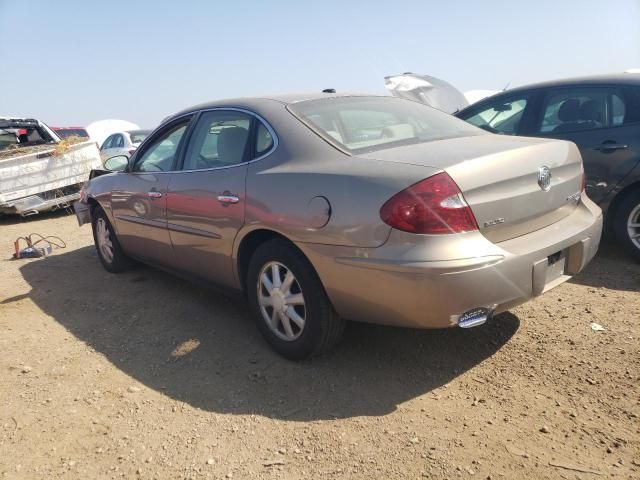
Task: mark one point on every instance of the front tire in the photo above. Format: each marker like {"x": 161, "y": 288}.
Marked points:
{"x": 626, "y": 223}
{"x": 110, "y": 252}
{"x": 290, "y": 306}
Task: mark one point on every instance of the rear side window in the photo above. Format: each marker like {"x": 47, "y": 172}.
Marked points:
{"x": 219, "y": 139}
{"x": 500, "y": 117}
{"x": 137, "y": 137}
{"x": 575, "y": 109}
{"x": 363, "y": 124}
{"x": 264, "y": 140}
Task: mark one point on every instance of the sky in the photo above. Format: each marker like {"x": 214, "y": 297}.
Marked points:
{"x": 71, "y": 62}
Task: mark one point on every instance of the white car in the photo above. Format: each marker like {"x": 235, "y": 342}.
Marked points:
{"x": 122, "y": 143}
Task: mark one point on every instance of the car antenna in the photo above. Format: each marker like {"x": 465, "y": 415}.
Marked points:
{"x": 329, "y": 90}
{"x": 506, "y": 86}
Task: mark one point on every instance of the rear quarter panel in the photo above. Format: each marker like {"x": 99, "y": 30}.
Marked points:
{"x": 280, "y": 188}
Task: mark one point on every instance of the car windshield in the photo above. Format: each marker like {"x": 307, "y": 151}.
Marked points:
{"x": 364, "y": 124}
{"x": 138, "y": 136}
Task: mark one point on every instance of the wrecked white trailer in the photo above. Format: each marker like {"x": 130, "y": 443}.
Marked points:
{"x": 38, "y": 170}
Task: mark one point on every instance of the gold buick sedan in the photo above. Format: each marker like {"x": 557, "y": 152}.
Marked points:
{"x": 328, "y": 207}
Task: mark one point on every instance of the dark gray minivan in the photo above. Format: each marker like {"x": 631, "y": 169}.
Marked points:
{"x": 601, "y": 115}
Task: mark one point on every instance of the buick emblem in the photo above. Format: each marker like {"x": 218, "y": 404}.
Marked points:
{"x": 544, "y": 178}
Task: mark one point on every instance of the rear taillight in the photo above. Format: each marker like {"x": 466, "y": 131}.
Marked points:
{"x": 131, "y": 151}
{"x": 433, "y": 206}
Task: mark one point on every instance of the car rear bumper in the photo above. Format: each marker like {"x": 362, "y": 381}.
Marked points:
{"x": 430, "y": 281}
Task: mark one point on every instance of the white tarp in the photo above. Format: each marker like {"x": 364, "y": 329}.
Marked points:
{"x": 100, "y": 130}
{"x": 425, "y": 89}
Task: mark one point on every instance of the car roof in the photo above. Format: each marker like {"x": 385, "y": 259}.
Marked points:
{"x": 593, "y": 80}
{"x": 617, "y": 78}
{"x": 256, "y": 102}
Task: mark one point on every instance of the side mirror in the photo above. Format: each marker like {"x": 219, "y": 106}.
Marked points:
{"x": 119, "y": 163}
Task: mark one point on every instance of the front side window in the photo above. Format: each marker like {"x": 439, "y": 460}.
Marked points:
{"x": 362, "y": 124}
{"x": 575, "y": 109}
{"x": 502, "y": 117}
{"x": 160, "y": 154}
{"x": 137, "y": 137}
{"x": 219, "y": 139}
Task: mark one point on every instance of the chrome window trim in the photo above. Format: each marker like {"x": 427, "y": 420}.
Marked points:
{"x": 276, "y": 141}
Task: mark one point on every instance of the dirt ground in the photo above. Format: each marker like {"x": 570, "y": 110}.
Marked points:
{"x": 143, "y": 375}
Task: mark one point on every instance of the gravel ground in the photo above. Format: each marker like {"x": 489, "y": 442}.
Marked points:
{"x": 143, "y": 375}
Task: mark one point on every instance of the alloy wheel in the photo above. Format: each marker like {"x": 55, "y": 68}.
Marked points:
{"x": 633, "y": 226}
{"x": 281, "y": 301}
{"x": 103, "y": 237}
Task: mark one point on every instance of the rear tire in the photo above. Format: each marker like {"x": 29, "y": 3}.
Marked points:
{"x": 110, "y": 252}
{"x": 626, "y": 223}
{"x": 289, "y": 303}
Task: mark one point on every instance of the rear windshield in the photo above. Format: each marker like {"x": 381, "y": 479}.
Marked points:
{"x": 364, "y": 124}
{"x": 137, "y": 137}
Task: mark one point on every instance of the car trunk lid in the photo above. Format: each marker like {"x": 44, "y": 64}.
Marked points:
{"x": 501, "y": 178}
{"x": 426, "y": 89}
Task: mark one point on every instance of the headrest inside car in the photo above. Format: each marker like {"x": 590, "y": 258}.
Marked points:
{"x": 569, "y": 110}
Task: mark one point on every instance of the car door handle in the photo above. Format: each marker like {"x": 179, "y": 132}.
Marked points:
{"x": 228, "y": 199}
{"x": 609, "y": 147}
{"x": 154, "y": 194}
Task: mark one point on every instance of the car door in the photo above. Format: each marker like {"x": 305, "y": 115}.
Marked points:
{"x": 139, "y": 202}
{"x": 206, "y": 200}
{"x": 602, "y": 122}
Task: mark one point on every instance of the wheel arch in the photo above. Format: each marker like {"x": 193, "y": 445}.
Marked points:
{"x": 104, "y": 204}
{"x": 612, "y": 211}
{"x": 248, "y": 244}
{"x": 93, "y": 204}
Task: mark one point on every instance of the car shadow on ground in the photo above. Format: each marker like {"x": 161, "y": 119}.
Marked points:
{"x": 198, "y": 346}
{"x": 612, "y": 268}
